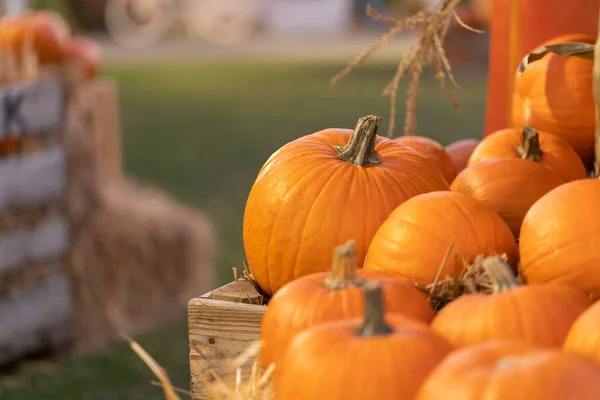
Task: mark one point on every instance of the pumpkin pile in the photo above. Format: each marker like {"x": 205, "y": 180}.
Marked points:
{"x": 32, "y": 42}
{"x": 468, "y": 272}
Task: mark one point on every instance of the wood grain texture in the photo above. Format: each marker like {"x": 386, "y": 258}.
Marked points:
{"x": 28, "y": 107}
{"x": 32, "y": 180}
{"x": 35, "y": 318}
{"x": 219, "y": 331}
{"x": 240, "y": 291}
{"x": 49, "y": 239}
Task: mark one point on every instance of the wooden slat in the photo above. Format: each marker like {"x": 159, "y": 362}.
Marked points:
{"x": 221, "y": 331}
{"x": 32, "y": 180}
{"x": 31, "y": 107}
{"x": 49, "y": 239}
{"x": 35, "y": 318}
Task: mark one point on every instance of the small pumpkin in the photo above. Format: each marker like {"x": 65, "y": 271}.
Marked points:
{"x": 537, "y": 314}
{"x": 383, "y": 356}
{"x": 500, "y": 369}
{"x": 329, "y": 296}
{"x": 323, "y": 189}
{"x": 560, "y": 237}
{"x": 47, "y": 32}
{"x": 584, "y": 336}
{"x": 544, "y": 148}
{"x": 554, "y": 94}
{"x": 460, "y": 151}
{"x": 432, "y": 150}
{"x": 412, "y": 242}
{"x": 507, "y": 186}
{"x": 86, "y": 53}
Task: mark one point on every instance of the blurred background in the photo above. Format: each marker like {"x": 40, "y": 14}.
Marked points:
{"x": 208, "y": 90}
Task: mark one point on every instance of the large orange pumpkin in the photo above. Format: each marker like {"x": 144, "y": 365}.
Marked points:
{"x": 548, "y": 150}
{"x": 560, "y": 237}
{"x": 500, "y": 370}
{"x": 383, "y": 356}
{"x": 329, "y": 296}
{"x": 584, "y": 336}
{"x": 507, "y": 186}
{"x": 46, "y": 30}
{"x": 431, "y": 150}
{"x": 324, "y": 189}
{"x": 554, "y": 94}
{"x": 537, "y": 314}
{"x": 412, "y": 242}
{"x": 460, "y": 151}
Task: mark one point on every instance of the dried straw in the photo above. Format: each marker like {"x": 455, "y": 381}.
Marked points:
{"x": 434, "y": 23}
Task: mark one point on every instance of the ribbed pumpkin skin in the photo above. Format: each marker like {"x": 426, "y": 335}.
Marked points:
{"x": 560, "y": 237}
{"x": 412, "y": 242}
{"x": 558, "y": 155}
{"x": 460, "y": 151}
{"x": 501, "y": 370}
{"x": 508, "y": 186}
{"x": 554, "y": 94}
{"x": 306, "y": 302}
{"x": 305, "y": 201}
{"x": 540, "y": 315}
{"x": 584, "y": 336}
{"x": 331, "y": 362}
{"x": 432, "y": 150}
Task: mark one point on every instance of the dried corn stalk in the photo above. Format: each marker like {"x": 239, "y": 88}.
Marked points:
{"x": 434, "y": 22}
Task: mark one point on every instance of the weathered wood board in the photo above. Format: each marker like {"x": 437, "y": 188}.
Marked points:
{"x": 220, "y": 331}
{"x": 33, "y": 179}
{"x": 31, "y": 107}
{"x": 36, "y": 317}
{"x": 48, "y": 240}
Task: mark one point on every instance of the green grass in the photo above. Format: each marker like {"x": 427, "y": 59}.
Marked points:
{"x": 202, "y": 132}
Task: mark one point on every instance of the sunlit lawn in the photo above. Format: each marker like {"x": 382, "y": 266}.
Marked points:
{"x": 202, "y": 132}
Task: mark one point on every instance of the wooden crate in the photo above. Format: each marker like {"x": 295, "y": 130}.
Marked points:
{"x": 48, "y": 121}
{"x": 222, "y": 325}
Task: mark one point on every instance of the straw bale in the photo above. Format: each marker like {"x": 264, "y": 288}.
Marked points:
{"x": 136, "y": 261}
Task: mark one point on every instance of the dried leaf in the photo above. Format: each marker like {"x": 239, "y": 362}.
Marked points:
{"x": 575, "y": 49}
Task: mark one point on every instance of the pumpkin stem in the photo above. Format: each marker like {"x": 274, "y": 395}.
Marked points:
{"x": 374, "y": 323}
{"x": 343, "y": 270}
{"x": 530, "y": 148}
{"x": 500, "y": 274}
{"x": 360, "y": 150}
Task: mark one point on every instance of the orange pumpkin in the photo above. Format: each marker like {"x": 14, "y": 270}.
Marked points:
{"x": 412, "y": 242}
{"x": 537, "y": 314}
{"x": 560, "y": 237}
{"x": 47, "y": 31}
{"x": 548, "y": 150}
{"x": 323, "y": 297}
{"x": 85, "y": 52}
{"x": 499, "y": 370}
{"x": 460, "y": 151}
{"x": 554, "y": 94}
{"x": 383, "y": 356}
{"x": 431, "y": 150}
{"x": 323, "y": 189}
{"x": 507, "y": 186}
{"x": 584, "y": 336}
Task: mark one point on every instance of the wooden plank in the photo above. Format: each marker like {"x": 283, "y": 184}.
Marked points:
{"x": 106, "y": 127}
{"x": 28, "y": 107}
{"x": 35, "y": 318}
{"x": 32, "y": 180}
{"x": 219, "y": 331}
{"x": 240, "y": 291}
{"x": 49, "y": 239}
